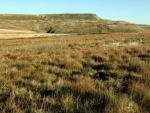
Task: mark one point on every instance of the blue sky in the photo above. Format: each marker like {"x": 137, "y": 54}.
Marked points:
{"x": 137, "y": 11}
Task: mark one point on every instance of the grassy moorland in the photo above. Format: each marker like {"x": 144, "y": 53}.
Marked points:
{"x": 67, "y": 23}
{"x": 107, "y": 73}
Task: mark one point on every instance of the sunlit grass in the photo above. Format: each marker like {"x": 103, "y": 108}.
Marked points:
{"x": 76, "y": 74}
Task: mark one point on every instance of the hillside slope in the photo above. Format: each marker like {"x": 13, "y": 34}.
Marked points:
{"x": 66, "y": 23}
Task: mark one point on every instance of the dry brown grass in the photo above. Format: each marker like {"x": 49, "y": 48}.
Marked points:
{"x": 107, "y": 73}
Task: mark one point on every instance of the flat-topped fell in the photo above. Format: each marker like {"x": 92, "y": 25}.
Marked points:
{"x": 66, "y": 23}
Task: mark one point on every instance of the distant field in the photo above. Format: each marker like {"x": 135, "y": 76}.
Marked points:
{"x": 107, "y": 73}
{"x": 10, "y": 31}
{"x": 16, "y": 34}
{"x": 28, "y": 35}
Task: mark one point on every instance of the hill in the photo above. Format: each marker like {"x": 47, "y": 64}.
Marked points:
{"x": 66, "y": 23}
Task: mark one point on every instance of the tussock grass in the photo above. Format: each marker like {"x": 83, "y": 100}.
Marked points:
{"x": 76, "y": 74}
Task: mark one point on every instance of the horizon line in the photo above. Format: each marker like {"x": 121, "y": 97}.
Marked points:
{"x": 109, "y": 19}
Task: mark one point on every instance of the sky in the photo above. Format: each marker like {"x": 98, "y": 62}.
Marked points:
{"x": 136, "y": 11}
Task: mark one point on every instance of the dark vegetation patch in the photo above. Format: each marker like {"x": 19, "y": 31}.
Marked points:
{"x": 50, "y": 30}
{"x": 144, "y": 57}
{"x": 132, "y": 67}
{"x": 102, "y": 67}
{"x": 104, "y": 75}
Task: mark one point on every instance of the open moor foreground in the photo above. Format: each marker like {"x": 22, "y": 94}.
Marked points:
{"x": 107, "y": 73}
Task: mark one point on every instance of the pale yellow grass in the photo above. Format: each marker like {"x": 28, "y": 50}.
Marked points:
{"x": 11, "y": 34}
